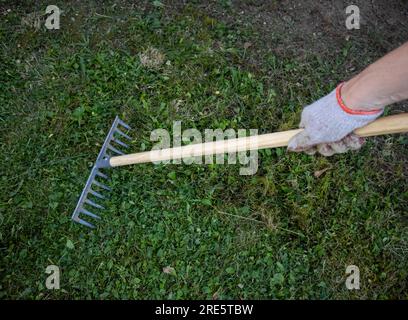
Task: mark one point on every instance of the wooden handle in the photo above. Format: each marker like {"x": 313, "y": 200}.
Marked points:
{"x": 386, "y": 125}
{"x": 397, "y": 123}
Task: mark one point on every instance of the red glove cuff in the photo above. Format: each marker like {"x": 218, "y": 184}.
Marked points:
{"x": 351, "y": 111}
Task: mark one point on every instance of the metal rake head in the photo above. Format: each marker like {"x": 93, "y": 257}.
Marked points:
{"x": 93, "y": 188}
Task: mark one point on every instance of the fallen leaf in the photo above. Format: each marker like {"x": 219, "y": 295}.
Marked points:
{"x": 247, "y": 45}
{"x": 318, "y": 173}
{"x": 169, "y": 270}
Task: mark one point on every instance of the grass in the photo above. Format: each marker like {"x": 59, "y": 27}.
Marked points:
{"x": 281, "y": 233}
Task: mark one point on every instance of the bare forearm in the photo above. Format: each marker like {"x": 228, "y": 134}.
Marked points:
{"x": 380, "y": 84}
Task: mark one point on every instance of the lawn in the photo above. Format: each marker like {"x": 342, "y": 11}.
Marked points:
{"x": 186, "y": 231}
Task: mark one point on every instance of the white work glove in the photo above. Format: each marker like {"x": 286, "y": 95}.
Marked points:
{"x": 328, "y": 125}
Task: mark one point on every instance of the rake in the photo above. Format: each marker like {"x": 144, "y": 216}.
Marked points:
{"x": 112, "y": 154}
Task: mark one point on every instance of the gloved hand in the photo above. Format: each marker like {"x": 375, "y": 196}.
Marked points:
{"x": 328, "y": 125}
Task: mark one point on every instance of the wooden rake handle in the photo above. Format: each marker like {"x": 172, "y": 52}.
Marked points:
{"x": 385, "y": 125}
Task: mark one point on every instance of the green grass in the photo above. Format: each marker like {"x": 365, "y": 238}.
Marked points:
{"x": 281, "y": 233}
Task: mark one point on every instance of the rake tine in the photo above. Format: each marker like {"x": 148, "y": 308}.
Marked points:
{"x": 102, "y": 175}
{"x": 123, "y": 134}
{"x": 89, "y": 213}
{"x": 124, "y": 124}
{"x": 120, "y": 143}
{"x": 101, "y": 185}
{"x": 93, "y": 204}
{"x": 83, "y": 222}
{"x": 110, "y": 147}
{"x": 96, "y": 194}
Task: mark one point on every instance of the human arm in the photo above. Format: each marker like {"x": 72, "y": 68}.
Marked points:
{"x": 329, "y": 122}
